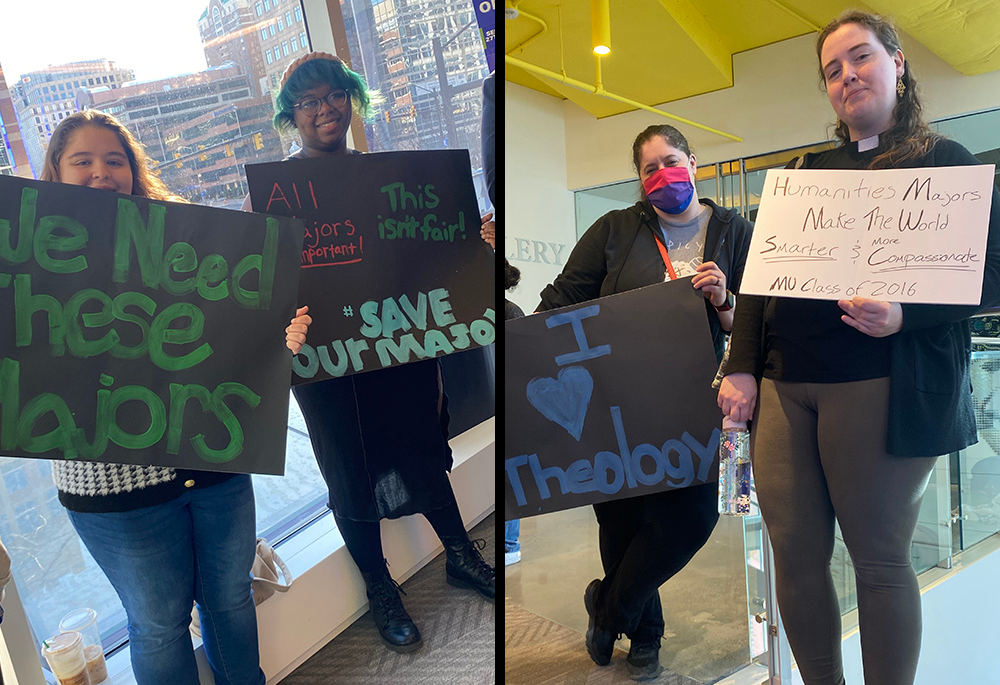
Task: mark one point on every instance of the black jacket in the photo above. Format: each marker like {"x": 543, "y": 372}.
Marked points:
{"x": 930, "y": 391}
{"x": 618, "y": 253}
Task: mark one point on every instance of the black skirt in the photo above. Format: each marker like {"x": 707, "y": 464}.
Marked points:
{"x": 380, "y": 441}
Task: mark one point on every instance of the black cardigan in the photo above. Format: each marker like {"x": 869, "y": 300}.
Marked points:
{"x": 930, "y": 390}
{"x": 619, "y": 253}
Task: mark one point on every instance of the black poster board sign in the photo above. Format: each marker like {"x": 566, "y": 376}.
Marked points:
{"x": 393, "y": 267}
{"x": 609, "y": 399}
{"x": 141, "y": 332}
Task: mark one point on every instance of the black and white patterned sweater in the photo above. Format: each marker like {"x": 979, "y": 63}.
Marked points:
{"x": 92, "y": 487}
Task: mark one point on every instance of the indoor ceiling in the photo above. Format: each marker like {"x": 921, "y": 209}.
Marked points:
{"x": 665, "y": 50}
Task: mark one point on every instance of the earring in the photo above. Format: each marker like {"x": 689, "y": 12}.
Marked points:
{"x": 900, "y": 87}
{"x": 839, "y": 122}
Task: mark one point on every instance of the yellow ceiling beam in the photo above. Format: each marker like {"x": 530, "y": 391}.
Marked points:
{"x": 697, "y": 27}
{"x": 599, "y": 90}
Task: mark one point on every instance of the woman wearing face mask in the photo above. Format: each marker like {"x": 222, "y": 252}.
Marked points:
{"x": 856, "y": 397}
{"x": 670, "y": 233}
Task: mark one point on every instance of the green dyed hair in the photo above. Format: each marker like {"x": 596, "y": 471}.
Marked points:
{"x": 314, "y": 73}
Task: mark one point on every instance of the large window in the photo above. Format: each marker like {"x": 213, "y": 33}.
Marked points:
{"x": 397, "y": 45}
{"x": 201, "y": 113}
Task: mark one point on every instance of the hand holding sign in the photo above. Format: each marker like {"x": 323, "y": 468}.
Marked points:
{"x": 872, "y": 317}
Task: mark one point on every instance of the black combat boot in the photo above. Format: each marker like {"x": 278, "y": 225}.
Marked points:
{"x": 600, "y": 642}
{"x": 466, "y": 568}
{"x": 394, "y": 624}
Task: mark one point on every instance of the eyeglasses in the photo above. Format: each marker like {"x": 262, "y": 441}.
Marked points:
{"x": 335, "y": 98}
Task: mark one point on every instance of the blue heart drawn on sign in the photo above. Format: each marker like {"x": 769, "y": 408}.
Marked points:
{"x": 564, "y": 399}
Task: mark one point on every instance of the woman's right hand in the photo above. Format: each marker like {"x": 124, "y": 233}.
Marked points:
{"x": 738, "y": 396}
{"x": 295, "y": 334}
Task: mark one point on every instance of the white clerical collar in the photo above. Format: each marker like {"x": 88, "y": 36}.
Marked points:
{"x": 867, "y": 144}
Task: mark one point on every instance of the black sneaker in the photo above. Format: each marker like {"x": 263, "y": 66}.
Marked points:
{"x": 600, "y": 642}
{"x": 644, "y": 660}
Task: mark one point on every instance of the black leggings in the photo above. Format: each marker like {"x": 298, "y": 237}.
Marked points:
{"x": 364, "y": 538}
{"x": 644, "y": 542}
{"x": 819, "y": 453}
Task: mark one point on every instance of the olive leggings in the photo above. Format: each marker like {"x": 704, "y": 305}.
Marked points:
{"x": 819, "y": 453}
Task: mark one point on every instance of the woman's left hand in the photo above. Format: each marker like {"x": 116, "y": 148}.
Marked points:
{"x": 872, "y": 317}
{"x": 488, "y": 230}
{"x": 712, "y": 283}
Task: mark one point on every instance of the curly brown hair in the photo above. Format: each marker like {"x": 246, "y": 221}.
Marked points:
{"x": 144, "y": 182}
{"x": 910, "y": 137}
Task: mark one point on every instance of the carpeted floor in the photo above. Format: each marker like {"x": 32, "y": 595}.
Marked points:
{"x": 458, "y": 628}
{"x": 538, "y": 651}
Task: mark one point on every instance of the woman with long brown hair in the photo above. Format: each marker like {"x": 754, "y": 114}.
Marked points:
{"x": 165, "y": 538}
{"x": 857, "y": 397}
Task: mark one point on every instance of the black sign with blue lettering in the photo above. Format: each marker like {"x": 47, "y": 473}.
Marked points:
{"x": 609, "y": 399}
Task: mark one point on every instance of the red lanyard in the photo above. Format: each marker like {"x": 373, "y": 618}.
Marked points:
{"x": 666, "y": 259}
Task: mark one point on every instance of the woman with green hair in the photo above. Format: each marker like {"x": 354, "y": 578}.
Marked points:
{"x": 380, "y": 438}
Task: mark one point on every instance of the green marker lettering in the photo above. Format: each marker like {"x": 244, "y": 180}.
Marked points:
{"x": 441, "y": 307}
{"x": 46, "y": 242}
{"x": 148, "y": 240}
{"x": 146, "y": 304}
{"x": 25, "y": 229}
{"x": 182, "y": 259}
{"x": 161, "y": 334}
{"x": 157, "y": 417}
{"x": 25, "y": 307}
{"x": 78, "y": 345}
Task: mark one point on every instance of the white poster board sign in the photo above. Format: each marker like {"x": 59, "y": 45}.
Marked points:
{"x": 900, "y": 235}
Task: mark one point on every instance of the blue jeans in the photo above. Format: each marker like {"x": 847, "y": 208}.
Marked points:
{"x": 511, "y": 533}
{"x": 161, "y": 559}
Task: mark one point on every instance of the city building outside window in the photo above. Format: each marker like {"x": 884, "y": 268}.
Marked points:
{"x": 202, "y": 117}
{"x": 201, "y": 121}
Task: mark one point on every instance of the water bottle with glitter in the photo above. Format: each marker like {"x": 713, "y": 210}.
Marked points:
{"x": 734, "y": 468}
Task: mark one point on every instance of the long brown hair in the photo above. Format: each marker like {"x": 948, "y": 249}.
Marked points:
{"x": 144, "y": 182}
{"x": 910, "y": 137}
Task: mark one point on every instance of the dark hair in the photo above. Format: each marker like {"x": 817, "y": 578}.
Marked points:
{"x": 671, "y": 134}
{"x": 144, "y": 182}
{"x": 317, "y": 72}
{"x": 511, "y": 275}
{"x": 910, "y": 137}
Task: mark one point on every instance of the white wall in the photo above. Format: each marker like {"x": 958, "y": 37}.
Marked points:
{"x": 538, "y": 221}
{"x": 775, "y": 104}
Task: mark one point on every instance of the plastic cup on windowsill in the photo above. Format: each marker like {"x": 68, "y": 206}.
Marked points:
{"x": 64, "y": 652}
{"x": 84, "y": 621}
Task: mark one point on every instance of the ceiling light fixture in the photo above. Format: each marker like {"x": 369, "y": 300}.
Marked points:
{"x": 600, "y": 26}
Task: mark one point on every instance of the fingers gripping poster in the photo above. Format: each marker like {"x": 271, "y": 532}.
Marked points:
{"x": 142, "y": 332}
{"x": 609, "y": 399}
{"x": 393, "y": 267}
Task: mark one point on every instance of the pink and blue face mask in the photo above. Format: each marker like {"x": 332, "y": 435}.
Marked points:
{"x": 670, "y": 189}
